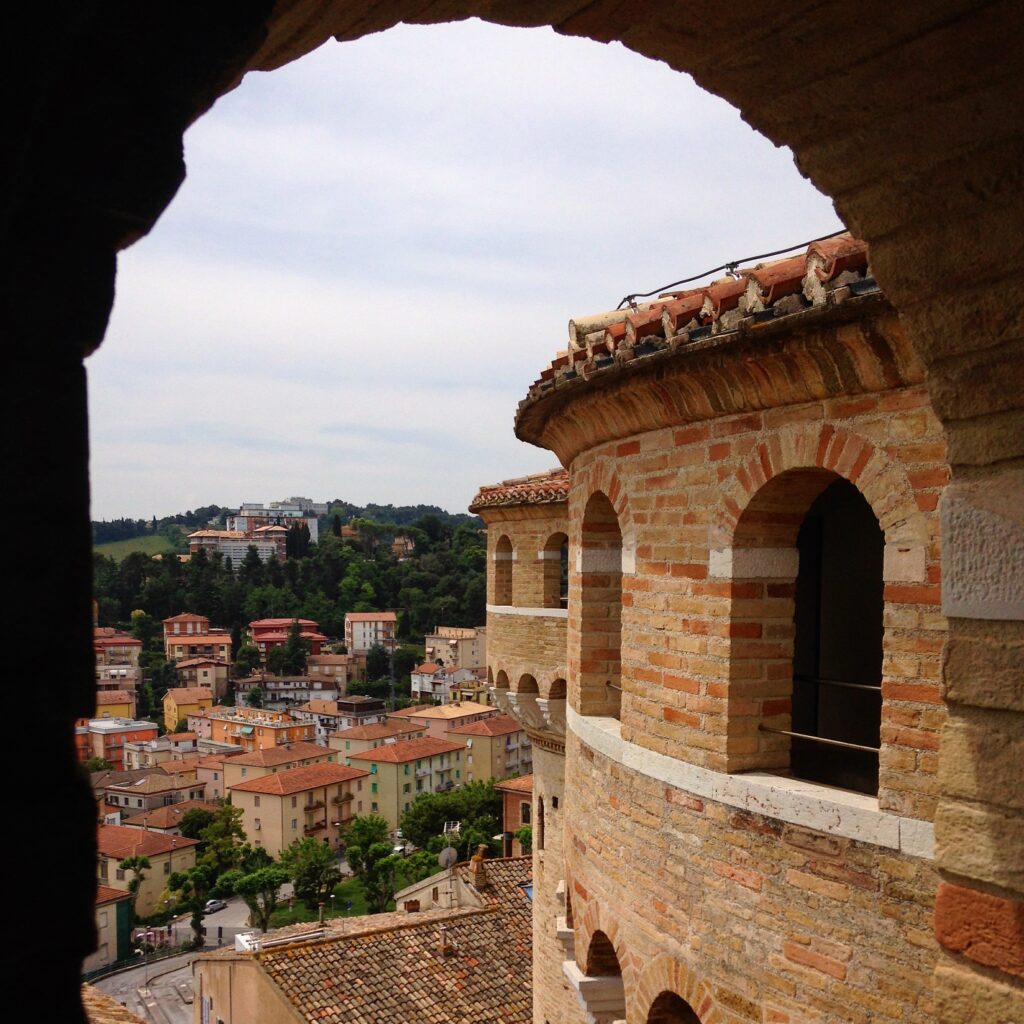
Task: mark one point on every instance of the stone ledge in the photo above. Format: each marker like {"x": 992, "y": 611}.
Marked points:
{"x": 822, "y": 808}
{"x": 508, "y": 609}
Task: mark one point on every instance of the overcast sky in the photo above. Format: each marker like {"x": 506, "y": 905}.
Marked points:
{"x": 378, "y": 248}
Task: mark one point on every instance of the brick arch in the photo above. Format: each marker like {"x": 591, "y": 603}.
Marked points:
{"x": 596, "y": 919}
{"x": 601, "y": 478}
{"x": 526, "y": 683}
{"x": 832, "y": 452}
{"x": 556, "y": 687}
{"x": 666, "y": 974}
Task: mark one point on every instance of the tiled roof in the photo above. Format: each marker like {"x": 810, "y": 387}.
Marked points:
{"x": 104, "y": 894}
{"x": 408, "y": 750}
{"x": 457, "y": 709}
{"x": 371, "y": 617}
{"x": 327, "y": 659}
{"x": 282, "y": 754}
{"x": 216, "y": 761}
{"x": 104, "y": 636}
{"x": 306, "y": 634}
{"x": 429, "y": 667}
{"x": 152, "y": 784}
{"x": 169, "y": 816}
{"x": 295, "y": 780}
{"x": 497, "y": 725}
{"x": 523, "y": 784}
{"x": 539, "y": 489}
{"x": 280, "y": 623}
{"x": 120, "y": 842}
{"x": 187, "y": 617}
{"x": 190, "y": 694}
{"x": 103, "y": 1009}
{"x": 397, "y": 973}
{"x": 192, "y": 662}
{"x": 181, "y": 737}
{"x": 376, "y": 731}
{"x": 114, "y": 697}
{"x": 826, "y": 274}
{"x": 214, "y": 534}
{"x": 416, "y": 709}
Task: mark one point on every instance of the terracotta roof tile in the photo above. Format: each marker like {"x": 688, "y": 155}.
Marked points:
{"x": 408, "y": 750}
{"x": 377, "y": 731}
{"x": 523, "y": 784}
{"x": 114, "y": 697}
{"x": 295, "y": 780}
{"x": 371, "y": 617}
{"x": 539, "y": 489}
{"x": 120, "y": 842}
{"x": 455, "y": 710}
{"x": 169, "y": 816}
{"x": 498, "y": 725}
{"x": 282, "y": 754}
{"x": 104, "y": 894}
{"x": 409, "y": 712}
{"x": 103, "y": 1009}
{"x": 782, "y": 287}
{"x": 190, "y": 694}
{"x": 186, "y": 617}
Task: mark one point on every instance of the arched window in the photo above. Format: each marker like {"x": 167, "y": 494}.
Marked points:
{"x": 557, "y": 690}
{"x": 837, "y": 649}
{"x": 527, "y": 684}
{"x": 602, "y": 961}
{"x": 503, "y": 557}
{"x": 556, "y": 571}
{"x": 600, "y": 609}
{"x": 669, "y": 1008}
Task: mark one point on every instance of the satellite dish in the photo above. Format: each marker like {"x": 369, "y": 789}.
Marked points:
{"x": 448, "y": 856}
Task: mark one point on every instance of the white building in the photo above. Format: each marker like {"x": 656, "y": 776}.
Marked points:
{"x": 252, "y": 515}
{"x": 364, "y": 630}
{"x": 431, "y": 681}
{"x": 457, "y": 646}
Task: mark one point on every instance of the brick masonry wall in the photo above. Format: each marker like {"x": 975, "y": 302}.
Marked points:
{"x": 707, "y": 611}
{"x": 746, "y": 917}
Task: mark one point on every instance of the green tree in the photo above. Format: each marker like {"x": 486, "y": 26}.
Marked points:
{"x": 136, "y": 865}
{"x": 223, "y": 840}
{"x": 275, "y": 661}
{"x": 247, "y": 661}
{"x": 369, "y": 853}
{"x": 261, "y": 890}
{"x": 254, "y": 697}
{"x": 525, "y": 837}
{"x": 476, "y": 805}
{"x": 193, "y": 887}
{"x": 194, "y": 821}
{"x": 313, "y": 868}
{"x": 296, "y": 650}
{"x": 378, "y": 662}
{"x": 98, "y": 764}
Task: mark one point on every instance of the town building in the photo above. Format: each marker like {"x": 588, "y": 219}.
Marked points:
{"x": 334, "y": 667}
{"x": 256, "y": 728}
{"x": 496, "y": 748}
{"x": 457, "y": 646}
{"x": 152, "y": 752}
{"x": 167, "y": 819}
{"x": 266, "y": 634}
{"x": 750, "y": 655}
{"x": 117, "y": 659}
{"x": 400, "y": 771}
{"x": 184, "y": 624}
{"x": 152, "y": 791}
{"x": 205, "y": 671}
{"x": 182, "y": 701}
{"x": 210, "y": 771}
{"x": 166, "y": 855}
{"x": 258, "y": 763}
{"x": 516, "y": 811}
{"x": 113, "y": 929}
{"x": 315, "y": 800}
{"x": 364, "y": 630}
{"x": 402, "y": 548}
{"x": 468, "y": 963}
{"x": 215, "y": 645}
{"x": 290, "y": 690}
{"x": 106, "y": 737}
{"x": 430, "y": 681}
{"x": 329, "y": 716}
{"x": 255, "y": 516}
{"x": 366, "y": 737}
{"x": 115, "y": 703}
{"x": 437, "y": 720}
{"x": 235, "y": 544}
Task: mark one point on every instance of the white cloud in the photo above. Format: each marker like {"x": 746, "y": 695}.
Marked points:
{"x": 378, "y": 248}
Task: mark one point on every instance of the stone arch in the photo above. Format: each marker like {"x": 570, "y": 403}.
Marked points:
{"x": 602, "y": 960}
{"x": 527, "y": 684}
{"x": 555, "y": 568}
{"x": 665, "y": 976}
{"x": 504, "y": 557}
{"x": 669, "y": 1008}
{"x": 501, "y": 680}
{"x": 557, "y": 689}
{"x": 600, "y": 478}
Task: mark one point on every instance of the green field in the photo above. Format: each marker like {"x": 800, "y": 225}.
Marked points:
{"x": 120, "y": 549}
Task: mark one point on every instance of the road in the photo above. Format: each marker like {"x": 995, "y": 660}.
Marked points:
{"x": 170, "y": 990}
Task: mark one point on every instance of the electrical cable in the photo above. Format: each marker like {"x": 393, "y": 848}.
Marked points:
{"x": 730, "y": 267}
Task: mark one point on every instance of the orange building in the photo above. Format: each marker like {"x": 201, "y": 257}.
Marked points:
{"x": 257, "y": 728}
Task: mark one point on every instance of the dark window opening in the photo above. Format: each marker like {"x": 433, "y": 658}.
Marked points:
{"x": 837, "y": 655}
{"x": 669, "y": 1008}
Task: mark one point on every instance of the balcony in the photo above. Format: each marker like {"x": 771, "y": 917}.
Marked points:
{"x": 317, "y": 826}
{"x": 342, "y": 798}
{"x": 315, "y": 806}
{"x": 422, "y": 773}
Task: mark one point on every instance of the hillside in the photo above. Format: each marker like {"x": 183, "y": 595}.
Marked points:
{"x": 118, "y": 550}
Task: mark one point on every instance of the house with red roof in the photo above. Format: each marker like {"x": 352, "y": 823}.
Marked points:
{"x": 166, "y": 855}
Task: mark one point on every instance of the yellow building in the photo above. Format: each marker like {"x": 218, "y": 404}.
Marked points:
{"x": 315, "y": 800}
{"x": 437, "y": 720}
{"x": 254, "y": 765}
{"x": 166, "y": 854}
{"x": 113, "y": 928}
{"x": 182, "y": 701}
{"x": 366, "y": 737}
{"x": 496, "y": 748}
{"x": 115, "y": 704}
{"x": 401, "y": 771}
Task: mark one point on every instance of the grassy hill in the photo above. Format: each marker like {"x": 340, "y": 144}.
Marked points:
{"x": 154, "y": 544}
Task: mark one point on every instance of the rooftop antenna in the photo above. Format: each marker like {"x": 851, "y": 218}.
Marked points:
{"x": 447, "y": 858}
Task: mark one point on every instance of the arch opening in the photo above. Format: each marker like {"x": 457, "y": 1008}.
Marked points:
{"x": 669, "y": 1008}
{"x": 527, "y": 684}
{"x": 504, "y": 557}
{"x": 600, "y": 633}
{"x": 602, "y": 960}
{"x": 556, "y": 571}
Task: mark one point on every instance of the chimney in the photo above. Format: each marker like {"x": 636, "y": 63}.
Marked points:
{"x": 411, "y": 906}
{"x": 477, "y": 871}
{"x": 444, "y": 948}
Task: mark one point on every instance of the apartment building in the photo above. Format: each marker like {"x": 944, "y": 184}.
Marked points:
{"x": 360, "y": 738}
{"x": 266, "y": 634}
{"x": 258, "y": 763}
{"x": 496, "y": 748}
{"x": 334, "y": 667}
{"x": 117, "y": 659}
{"x": 166, "y": 854}
{"x": 401, "y": 770}
{"x": 152, "y": 791}
{"x": 436, "y": 721}
{"x": 106, "y": 737}
{"x": 457, "y": 646}
{"x": 364, "y": 630}
{"x": 432, "y": 682}
{"x": 167, "y": 819}
{"x": 315, "y": 800}
{"x": 115, "y": 704}
{"x": 256, "y": 728}
{"x": 171, "y": 747}
{"x": 182, "y": 701}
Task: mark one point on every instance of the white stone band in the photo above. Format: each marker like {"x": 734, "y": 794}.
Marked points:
{"x": 508, "y": 609}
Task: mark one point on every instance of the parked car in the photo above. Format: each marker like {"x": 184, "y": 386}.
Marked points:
{"x": 212, "y": 906}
